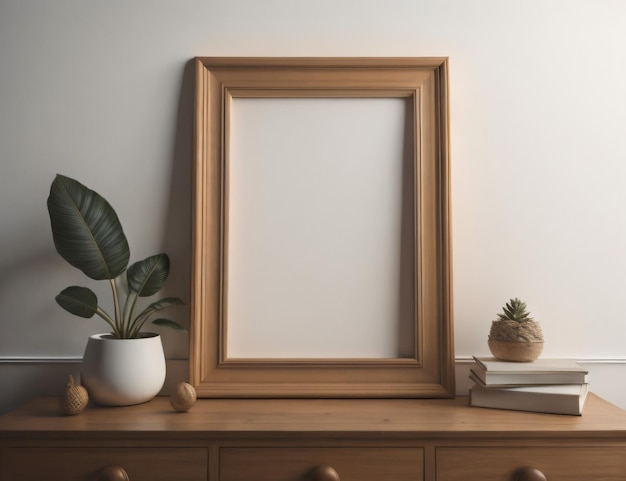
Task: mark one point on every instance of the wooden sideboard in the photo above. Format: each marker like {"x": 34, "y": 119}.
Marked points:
{"x": 312, "y": 440}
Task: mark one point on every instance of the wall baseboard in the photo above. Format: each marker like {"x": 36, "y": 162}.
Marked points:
{"x": 591, "y": 360}
{"x": 75, "y": 359}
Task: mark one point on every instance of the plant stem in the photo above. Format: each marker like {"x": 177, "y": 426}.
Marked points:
{"x": 135, "y": 296}
{"x": 137, "y": 323}
{"x": 128, "y": 311}
{"x": 108, "y": 320}
{"x": 116, "y": 304}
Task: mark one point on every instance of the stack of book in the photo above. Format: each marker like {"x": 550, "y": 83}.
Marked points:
{"x": 556, "y": 386}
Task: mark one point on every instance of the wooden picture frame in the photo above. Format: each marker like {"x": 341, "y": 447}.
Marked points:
{"x": 428, "y": 370}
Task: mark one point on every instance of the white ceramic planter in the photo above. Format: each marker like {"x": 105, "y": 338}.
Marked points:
{"x": 121, "y": 372}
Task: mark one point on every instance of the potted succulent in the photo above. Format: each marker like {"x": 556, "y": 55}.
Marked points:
{"x": 125, "y": 365}
{"x": 515, "y": 336}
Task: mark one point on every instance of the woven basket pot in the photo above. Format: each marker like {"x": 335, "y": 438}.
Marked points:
{"x": 517, "y": 351}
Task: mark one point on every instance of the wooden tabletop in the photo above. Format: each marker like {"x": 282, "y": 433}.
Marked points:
{"x": 367, "y": 418}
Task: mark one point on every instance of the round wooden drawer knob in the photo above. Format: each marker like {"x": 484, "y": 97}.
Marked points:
{"x": 113, "y": 473}
{"x": 324, "y": 473}
{"x": 530, "y": 474}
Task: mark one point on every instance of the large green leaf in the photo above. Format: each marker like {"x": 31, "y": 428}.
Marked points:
{"x": 146, "y": 277}
{"x": 79, "y": 301}
{"x": 158, "y": 305}
{"x": 86, "y": 230}
{"x": 168, "y": 323}
{"x": 136, "y": 324}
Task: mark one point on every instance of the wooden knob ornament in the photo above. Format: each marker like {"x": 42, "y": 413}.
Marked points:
{"x": 530, "y": 474}
{"x": 324, "y": 473}
{"x": 183, "y": 397}
{"x": 74, "y": 399}
{"x": 113, "y": 473}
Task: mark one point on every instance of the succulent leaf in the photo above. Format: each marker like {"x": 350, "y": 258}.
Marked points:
{"x": 515, "y": 310}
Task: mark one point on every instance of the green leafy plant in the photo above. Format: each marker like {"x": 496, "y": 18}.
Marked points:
{"x": 87, "y": 233}
{"x": 515, "y": 310}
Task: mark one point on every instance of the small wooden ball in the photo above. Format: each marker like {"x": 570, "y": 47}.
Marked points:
{"x": 74, "y": 399}
{"x": 183, "y": 397}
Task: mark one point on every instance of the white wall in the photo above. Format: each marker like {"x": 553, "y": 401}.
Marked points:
{"x": 102, "y": 91}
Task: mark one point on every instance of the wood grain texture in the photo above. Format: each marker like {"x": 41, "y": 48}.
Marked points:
{"x": 495, "y": 463}
{"x": 425, "y": 82}
{"x": 289, "y": 463}
{"x": 306, "y": 418}
{"x": 360, "y": 439}
{"x": 78, "y": 464}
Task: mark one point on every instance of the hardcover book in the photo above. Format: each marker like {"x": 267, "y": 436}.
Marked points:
{"x": 557, "y": 399}
{"x": 491, "y": 372}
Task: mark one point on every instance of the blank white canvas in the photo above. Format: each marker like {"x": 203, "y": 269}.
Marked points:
{"x": 315, "y": 229}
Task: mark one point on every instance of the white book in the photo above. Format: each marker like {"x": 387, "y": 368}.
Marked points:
{"x": 492, "y": 372}
{"x": 553, "y": 399}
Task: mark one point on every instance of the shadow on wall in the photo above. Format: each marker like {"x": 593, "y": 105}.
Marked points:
{"x": 32, "y": 379}
{"x": 177, "y": 225}
{"x": 29, "y": 379}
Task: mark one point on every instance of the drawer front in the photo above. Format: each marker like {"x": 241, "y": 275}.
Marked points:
{"x": 86, "y": 464}
{"x": 298, "y": 464}
{"x": 557, "y": 464}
